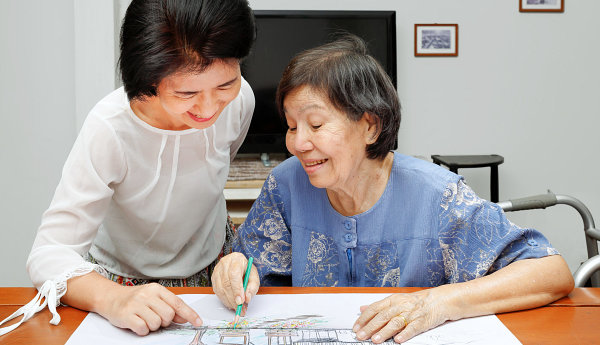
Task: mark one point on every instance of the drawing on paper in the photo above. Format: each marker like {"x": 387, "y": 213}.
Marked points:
{"x": 281, "y": 320}
{"x": 288, "y": 322}
{"x": 267, "y": 336}
{"x": 297, "y": 330}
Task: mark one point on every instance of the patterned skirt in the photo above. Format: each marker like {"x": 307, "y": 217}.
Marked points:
{"x": 201, "y": 278}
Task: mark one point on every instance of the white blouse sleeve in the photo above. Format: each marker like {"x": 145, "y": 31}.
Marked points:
{"x": 247, "y": 109}
{"x": 69, "y": 226}
{"x": 80, "y": 203}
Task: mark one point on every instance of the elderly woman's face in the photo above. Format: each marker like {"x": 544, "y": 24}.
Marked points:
{"x": 329, "y": 145}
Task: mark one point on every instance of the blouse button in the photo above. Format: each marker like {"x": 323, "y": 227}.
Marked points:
{"x": 348, "y": 225}
{"x": 532, "y": 243}
{"x": 348, "y": 237}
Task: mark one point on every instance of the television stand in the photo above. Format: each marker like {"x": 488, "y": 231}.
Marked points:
{"x": 266, "y": 161}
{"x": 247, "y": 173}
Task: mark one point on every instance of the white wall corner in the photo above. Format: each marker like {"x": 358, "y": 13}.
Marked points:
{"x": 95, "y": 54}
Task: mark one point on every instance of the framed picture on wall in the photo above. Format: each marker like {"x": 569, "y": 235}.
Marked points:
{"x": 436, "y": 39}
{"x": 541, "y": 5}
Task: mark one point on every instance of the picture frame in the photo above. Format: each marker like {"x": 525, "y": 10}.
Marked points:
{"x": 541, "y": 5}
{"x": 436, "y": 39}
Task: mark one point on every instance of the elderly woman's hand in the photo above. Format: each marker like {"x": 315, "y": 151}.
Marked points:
{"x": 401, "y": 316}
{"x": 228, "y": 281}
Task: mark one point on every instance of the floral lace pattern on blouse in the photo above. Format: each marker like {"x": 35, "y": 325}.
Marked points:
{"x": 473, "y": 238}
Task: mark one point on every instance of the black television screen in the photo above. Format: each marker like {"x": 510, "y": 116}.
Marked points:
{"x": 283, "y": 34}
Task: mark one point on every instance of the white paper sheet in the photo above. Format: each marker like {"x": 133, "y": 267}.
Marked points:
{"x": 287, "y": 319}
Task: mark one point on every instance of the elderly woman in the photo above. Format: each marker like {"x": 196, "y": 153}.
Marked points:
{"x": 348, "y": 211}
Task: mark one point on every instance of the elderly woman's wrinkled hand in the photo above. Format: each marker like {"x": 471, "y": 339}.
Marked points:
{"x": 401, "y": 316}
{"x": 228, "y": 281}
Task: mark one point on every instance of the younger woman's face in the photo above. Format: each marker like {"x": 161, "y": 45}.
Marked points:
{"x": 195, "y": 100}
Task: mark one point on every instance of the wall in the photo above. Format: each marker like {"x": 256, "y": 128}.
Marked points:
{"x": 96, "y": 27}
{"x": 58, "y": 58}
{"x": 524, "y": 86}
{"x": 38, "y": 120}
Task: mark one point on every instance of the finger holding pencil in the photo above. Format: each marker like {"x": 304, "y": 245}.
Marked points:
{"x": 238, "y": 311}
{"x": 228, "y": 281}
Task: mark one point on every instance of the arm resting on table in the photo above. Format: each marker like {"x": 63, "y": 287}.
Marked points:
{"x": 523, "y": 284}
{"x": 141, "y": 308}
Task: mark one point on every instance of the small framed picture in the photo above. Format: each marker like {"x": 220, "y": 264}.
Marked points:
{"x": 541, "y": 5}
{"x": 436, "y": 39}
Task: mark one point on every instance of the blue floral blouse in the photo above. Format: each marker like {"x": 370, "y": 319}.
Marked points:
{"x": 427, "y": 229}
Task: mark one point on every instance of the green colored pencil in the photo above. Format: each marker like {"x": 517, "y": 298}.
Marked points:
{"x": 238, "y": 311}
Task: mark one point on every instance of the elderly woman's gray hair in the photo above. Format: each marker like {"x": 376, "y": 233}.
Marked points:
{"x": 354, "y": 83}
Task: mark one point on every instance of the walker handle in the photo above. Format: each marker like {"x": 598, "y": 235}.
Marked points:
{"x": 529, "y": 203}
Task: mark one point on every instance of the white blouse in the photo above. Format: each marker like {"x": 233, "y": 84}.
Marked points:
{"x": 145, "y": 202}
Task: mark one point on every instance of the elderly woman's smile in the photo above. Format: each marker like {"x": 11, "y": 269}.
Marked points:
{"x": 330, "y": 146}
{"x": 309, "y": 163}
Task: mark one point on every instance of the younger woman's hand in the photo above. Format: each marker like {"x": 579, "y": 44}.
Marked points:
{"x": 228, "y": 281}
{"x": 146, "y": 308}
{"x": 401, "y": 316}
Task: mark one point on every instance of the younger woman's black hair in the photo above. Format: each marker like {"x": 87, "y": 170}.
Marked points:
{"x": 160, "y": 37}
